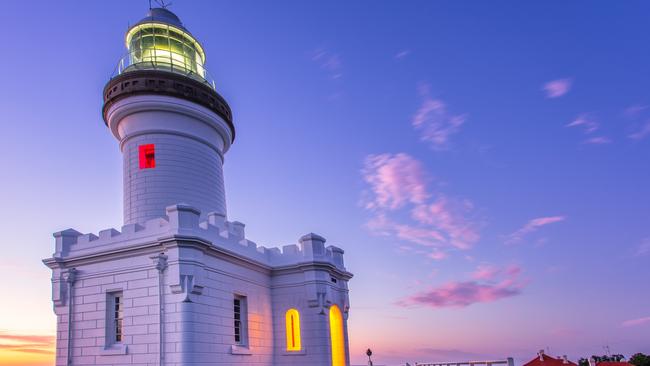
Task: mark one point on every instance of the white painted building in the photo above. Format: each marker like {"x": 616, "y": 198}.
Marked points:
{"x": 179, "y": 284}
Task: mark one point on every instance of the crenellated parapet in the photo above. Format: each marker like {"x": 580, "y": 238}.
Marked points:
{"x": 183, "y": 221}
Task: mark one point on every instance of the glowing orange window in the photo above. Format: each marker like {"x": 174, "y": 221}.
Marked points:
{"x": 147, "y": 156}
{"x": 293, "y": 330}
{"x": 337, "y": 338}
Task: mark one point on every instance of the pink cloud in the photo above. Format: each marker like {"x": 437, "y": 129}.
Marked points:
{"x": 636, "y": 322}
{"x": 557, "y": 88}
{"x": 435, "y": 124}
{"x": 397, "y": 189}
{"x": 449, "y": 217}
{"x": 382, "y": 226}
{"x": 588, "y": 125}
{"x": 394, "y": 181}
{"x": 642, "y": 132}
{"x": 584, "y": 121}
{"x": 532, "y": 226}
{"x": 485, "y": 272}
{"x": 403, "y": 207}
{"x": 464, "y": 293}
{"x": 437, "y": 255}
{"x": 422, "y": 236}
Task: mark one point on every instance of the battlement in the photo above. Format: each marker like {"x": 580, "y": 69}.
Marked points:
{"x": 184, "y": 221}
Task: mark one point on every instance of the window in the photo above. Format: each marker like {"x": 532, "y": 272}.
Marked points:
{"x": 147, "y": 156}
{"x": 115, "y": 315}
{"x": 336, "y": 336}
{"x": 241, "y": 320}
{"x": 293, "y": 330}
{"x": 167, "y": 47}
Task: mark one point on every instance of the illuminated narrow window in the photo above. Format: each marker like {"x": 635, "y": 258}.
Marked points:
{"x": 240, "y": 308}
{"x": 336, "y": 336}
{"x": 147, "y": 156}
{"x": 293, "y": 330}
{"x": 114, "y": 318}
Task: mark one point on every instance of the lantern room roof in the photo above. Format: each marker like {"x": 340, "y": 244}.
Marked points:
{"x": 162, "y": 15}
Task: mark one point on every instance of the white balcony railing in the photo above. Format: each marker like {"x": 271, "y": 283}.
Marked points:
{"x": 507, "y": 362}
{"x": 166, "y": 61}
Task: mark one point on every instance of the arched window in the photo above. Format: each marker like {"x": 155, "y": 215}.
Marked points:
{"x": 336, "y": 336}
{"x": 293, "y": 330}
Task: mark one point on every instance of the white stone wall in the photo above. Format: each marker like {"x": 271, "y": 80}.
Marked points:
{"x": 205, "y": 265}
{"x": 186, "y": 171}
{"x": 138, "y": 281}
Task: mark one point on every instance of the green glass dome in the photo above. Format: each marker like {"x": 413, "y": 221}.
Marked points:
{"x": 160, "y": 41}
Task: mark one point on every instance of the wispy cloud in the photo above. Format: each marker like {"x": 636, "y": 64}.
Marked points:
{"x": 586, "y": 122}
{"x": 598, "y": 140}
{"x": 485, "y": 272}
{"x": 634, "y": 111}
{"x": 557, "y": 88}
{"x": 398, "y": 190}
{"x": 642, "y": 132}
{"x": 532, "y": 226}
{"x": 464, "y": 293}
{"x": 449, "y": 217}
{"x": 636, "y": 322}
{"x": 644, "y": 247}
{"x": 37, "y": 344}
{"x": 394, "y": 180}
{"x": 328, "y": 61}
{"x": 402, "y": 54}
{"x": 434, "y": 122}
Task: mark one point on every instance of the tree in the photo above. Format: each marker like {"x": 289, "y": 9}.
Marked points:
{"x": 604, "y": 358}
{"x": 640, "y": 359}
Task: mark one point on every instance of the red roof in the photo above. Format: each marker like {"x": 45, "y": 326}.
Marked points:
{"x": 552, "y": 361}
{"x": 614, "y": 363}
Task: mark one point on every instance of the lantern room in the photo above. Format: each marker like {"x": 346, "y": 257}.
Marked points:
{"x": 160, "y": 41}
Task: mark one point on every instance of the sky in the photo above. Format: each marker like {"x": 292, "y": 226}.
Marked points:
{"x": 485, "y": 165}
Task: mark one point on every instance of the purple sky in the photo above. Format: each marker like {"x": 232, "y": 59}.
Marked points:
{"x": 485, "y": 166}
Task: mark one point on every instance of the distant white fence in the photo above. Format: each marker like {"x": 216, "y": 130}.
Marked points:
{"x": 508, "y": 362}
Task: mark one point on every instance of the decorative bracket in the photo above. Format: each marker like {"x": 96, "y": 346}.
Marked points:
{"x": 319, "y": 302}
{"x": 187, "y": 287}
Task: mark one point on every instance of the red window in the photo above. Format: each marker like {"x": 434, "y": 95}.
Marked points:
{"x": 147, "y": 156}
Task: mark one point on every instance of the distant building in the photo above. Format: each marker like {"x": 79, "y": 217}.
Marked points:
{"x": 543, "y": 359}
{"x": 179, "y": 283}
{"x": 593, "y": 362}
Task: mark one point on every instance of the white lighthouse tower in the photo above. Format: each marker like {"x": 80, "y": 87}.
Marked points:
{"x": 173, "y": 127}
{"x": 180, "y": 284}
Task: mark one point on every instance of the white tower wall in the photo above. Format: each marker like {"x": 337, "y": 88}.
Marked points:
{"x": 189, "y": 142}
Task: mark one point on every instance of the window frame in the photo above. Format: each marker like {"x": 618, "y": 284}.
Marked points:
{"x": 240, "y": 325}
{"x": 114, "y": 318}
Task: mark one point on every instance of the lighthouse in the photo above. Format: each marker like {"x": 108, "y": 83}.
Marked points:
{"x": 180, "y": 283}
{"x": 172, "y": 126}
